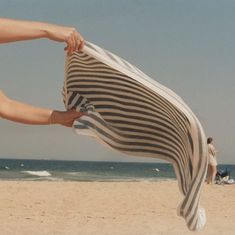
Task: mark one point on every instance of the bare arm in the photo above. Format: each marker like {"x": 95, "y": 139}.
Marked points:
{"x": 18, "y": 30}
{"x": 27, "y": 114}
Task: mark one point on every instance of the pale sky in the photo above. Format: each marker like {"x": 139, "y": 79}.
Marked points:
{"x": 186, "y": 45}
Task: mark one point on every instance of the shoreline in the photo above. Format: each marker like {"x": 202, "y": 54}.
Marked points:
{"x": 83, "y": 181}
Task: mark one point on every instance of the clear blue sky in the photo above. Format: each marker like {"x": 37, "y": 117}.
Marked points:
{"x": 186, "y": 45}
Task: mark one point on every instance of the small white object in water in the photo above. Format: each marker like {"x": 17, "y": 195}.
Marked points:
{"x": 38, "y": 173}
{"x": 156, "y": 169}
{"x": 231, "y": 181}
{"x": 21, "y": 164}
{"x": 6, "y": 167}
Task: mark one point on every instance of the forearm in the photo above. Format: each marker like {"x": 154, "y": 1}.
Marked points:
{"x": 23, "y": 113}
{"x": 27, "y": 114}
{"x": 18, "y": 30}
{"x": 15, "y": 30}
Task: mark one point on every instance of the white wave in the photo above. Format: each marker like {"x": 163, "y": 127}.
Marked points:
{"x": 72, "y": 173}
{"x": 38, "y": 173}
{"x": 156, "y": 169}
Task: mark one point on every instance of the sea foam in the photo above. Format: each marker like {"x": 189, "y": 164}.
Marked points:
{"x": 38, "y": 173}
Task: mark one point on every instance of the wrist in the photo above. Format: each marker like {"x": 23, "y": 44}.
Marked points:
{"x": 45, "y": 30}
{"x": 53, "y": 32}
{"x": 53, "y": 117}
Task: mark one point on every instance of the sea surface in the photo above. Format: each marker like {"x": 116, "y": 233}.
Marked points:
{"x": 54, "y": 170}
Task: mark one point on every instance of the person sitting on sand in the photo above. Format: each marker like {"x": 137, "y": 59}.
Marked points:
{"x": 17, "y": 30}
{"x": 212, "y": 164}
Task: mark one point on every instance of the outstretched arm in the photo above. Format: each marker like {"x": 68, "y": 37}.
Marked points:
{"x": 18, "y": 30}
{"x": 27, "y": 114}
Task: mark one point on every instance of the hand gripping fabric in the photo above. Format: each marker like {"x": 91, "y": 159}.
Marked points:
{"x": 134, "y": 114}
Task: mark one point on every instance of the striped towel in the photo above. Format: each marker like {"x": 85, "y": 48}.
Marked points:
{"x": 132, "y": 113}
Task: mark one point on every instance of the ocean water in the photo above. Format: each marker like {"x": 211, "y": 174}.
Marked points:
{"x": 52, "y": 170}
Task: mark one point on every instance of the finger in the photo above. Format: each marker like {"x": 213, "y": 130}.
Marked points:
{"x": 69, "y": 50}
{"x": 75, "y": 114}
{"x": 73, "y": 43}
{"x": 70, "y": 45}
{"x": 81, "y": 46}
{"x": 68, "y": 124}
{"x": 77, "y": 41}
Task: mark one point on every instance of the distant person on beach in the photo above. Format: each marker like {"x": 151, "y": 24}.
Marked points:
{"x": 212, "y": 164}
{"x": 17, "y": 30}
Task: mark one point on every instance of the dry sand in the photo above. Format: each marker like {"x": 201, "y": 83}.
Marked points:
{"x": 108, "y": 208}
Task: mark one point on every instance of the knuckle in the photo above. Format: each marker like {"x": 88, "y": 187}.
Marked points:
{"x": 73, "y": 30}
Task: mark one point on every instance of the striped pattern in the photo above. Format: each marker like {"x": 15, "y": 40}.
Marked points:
{"x": 132, "y": 113}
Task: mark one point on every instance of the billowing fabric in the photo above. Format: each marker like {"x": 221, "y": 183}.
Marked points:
{"x": 134, "y": 114}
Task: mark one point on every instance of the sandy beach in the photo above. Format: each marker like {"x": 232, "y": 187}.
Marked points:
{"x": 105, "y": 208}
